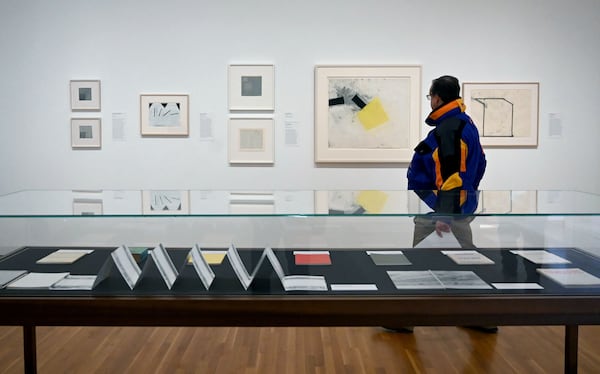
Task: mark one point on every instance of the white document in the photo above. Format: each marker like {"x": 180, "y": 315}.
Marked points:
{"x": 127, "y": 266}
{"x": 206, "y": 274}
{"x": 438, "y": 279}
{"x": 468, "y": 257}
{"x": 7, "y": 276}
{"x": 76, "y": 282}
{"x": 460, "y": 279}
{"x": 304, "y": 283}
{"x": 414, "y": 279}
{"x": 164, "y": 264}
{"x": 517, "y": 286}
{"x": 64, "y": 256}
{"x": 354, "y": 287}
{"x": 570, "y": 277}
{"x": 37, "y": 280}
{"x": 540, "y": 257}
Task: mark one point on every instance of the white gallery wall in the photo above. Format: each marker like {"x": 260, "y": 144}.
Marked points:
{"x": 185, "y": 46}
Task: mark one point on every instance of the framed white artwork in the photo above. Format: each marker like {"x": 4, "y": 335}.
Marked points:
{"x": 252, "y": 87}
{"x": 251, "y": 141}
{"x": 85, "y": 95}
{"x": 86, "y": 133}
{"x": 165, "y": 202}
{"x": 360, "y": 202}
{"x": 87, "y": 207}
{"x": 506, "y": 114}
{"x": 366, "y": 113}
{"x": 164, "y": 114}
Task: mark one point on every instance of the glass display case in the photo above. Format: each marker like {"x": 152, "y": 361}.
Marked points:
{"x": 301, "y": 258}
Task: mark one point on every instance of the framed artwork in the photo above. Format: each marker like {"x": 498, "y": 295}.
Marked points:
{"x": 506, "y": 114}
{"x": 251, "y": 141}
{"x": 251, "y": 203}
{"x": 86, "y": 133}
{"x": 164, "y": 115}
{"x": 367, "y": 113}
{"x": 167, "y": 202}
{"x": 85, "y": 95}
{"x": 251, "y": 87}
{"x": 87, "y": 207}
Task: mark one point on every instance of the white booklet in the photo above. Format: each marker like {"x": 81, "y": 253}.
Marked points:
{"x": 206, "y": 274}
{"x": 165, "y": 265}
{"x": 64, "y": 256}
{"x": 36, "y": 281}
{"x": 125, "y": 263}
{"x": 289, "y": 282}
{"x": 540, "y": 257}
{"x": 7, "y": 276}
{"x": 468, "y": 257}
{"x": 436, "y": 279}
{"x": 571, "y": 277}
{"x": 76, "y": 282}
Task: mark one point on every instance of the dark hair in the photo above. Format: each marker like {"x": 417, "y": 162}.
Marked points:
{"x": 446, "y": 87}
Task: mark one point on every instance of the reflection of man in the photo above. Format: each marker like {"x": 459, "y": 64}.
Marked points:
{"x": 452, "y": 212}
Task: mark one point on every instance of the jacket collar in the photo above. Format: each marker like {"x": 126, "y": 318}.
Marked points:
{"x": 447, "y": 110}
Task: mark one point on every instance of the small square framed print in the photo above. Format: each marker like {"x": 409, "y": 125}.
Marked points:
{"x": 251, "y": 141}
{"x": 164, "y": 115}
{"x": 85, "y": 95}
{"x": 251, "y": 87}
{"x": 86, "y": 133}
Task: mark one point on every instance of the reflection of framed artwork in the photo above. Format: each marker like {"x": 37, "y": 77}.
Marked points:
{"x": 360, "y": 202}
{"x": 251, "y": 87}
{"x": 87, "y": 207}
{"x": 506, "y": 114}
{"x": 86, "y": 133}
{"x": 366, "y": 113}
{"x": 251, "y": 203}
{"x": 85, "y": 95}
{"x": 251, "y": 141}
{"x": 164, "y": 114}
{"x": 166, "y": 202}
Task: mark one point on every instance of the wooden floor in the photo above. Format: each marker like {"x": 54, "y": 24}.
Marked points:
{"x": 298, "y": 350}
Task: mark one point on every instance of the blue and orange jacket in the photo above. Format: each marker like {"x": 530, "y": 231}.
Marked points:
{"x": 451, "y": 156}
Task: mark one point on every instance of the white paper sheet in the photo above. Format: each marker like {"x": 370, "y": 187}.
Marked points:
{"x": 206, "y": 274}
{"x": 353, "y": 287}
{"x": 75, "y": 282}
{"x": 517, "y": 286}
{"x": 165, "y": 265}
{"x": 540, "y": 257}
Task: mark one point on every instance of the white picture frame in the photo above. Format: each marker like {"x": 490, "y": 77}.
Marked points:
{"x": 251, "y": 141}
{"x": 164, "y": 114}
{"x": 165, "y": 202}
{"x": 87, "y": 207}
{"x": 506, "y": 114}
{"x": 251, "y": 87}
{"x": 86, "y": 133}
{"x": 367, "y": 114}
{"x": 85, "y": 95}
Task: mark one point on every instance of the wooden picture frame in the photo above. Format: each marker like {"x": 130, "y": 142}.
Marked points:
{"x": 164, "y": 114}
{"x": 85, "y": 95}
{"x": 506, "y": 114}
{"x": 367, "y": 114}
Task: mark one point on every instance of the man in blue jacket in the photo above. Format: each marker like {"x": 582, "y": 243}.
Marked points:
{"x": 451, "y": 156}
{"x": 449, "y": 161}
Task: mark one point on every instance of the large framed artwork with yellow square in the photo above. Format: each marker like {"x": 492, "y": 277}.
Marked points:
{"x": 367, "y": 114}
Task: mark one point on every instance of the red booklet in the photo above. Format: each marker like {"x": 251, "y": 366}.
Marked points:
{"x": 312, "y": 258}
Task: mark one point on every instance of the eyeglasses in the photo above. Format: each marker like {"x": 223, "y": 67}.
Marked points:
{"x": 428, "y": 97}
